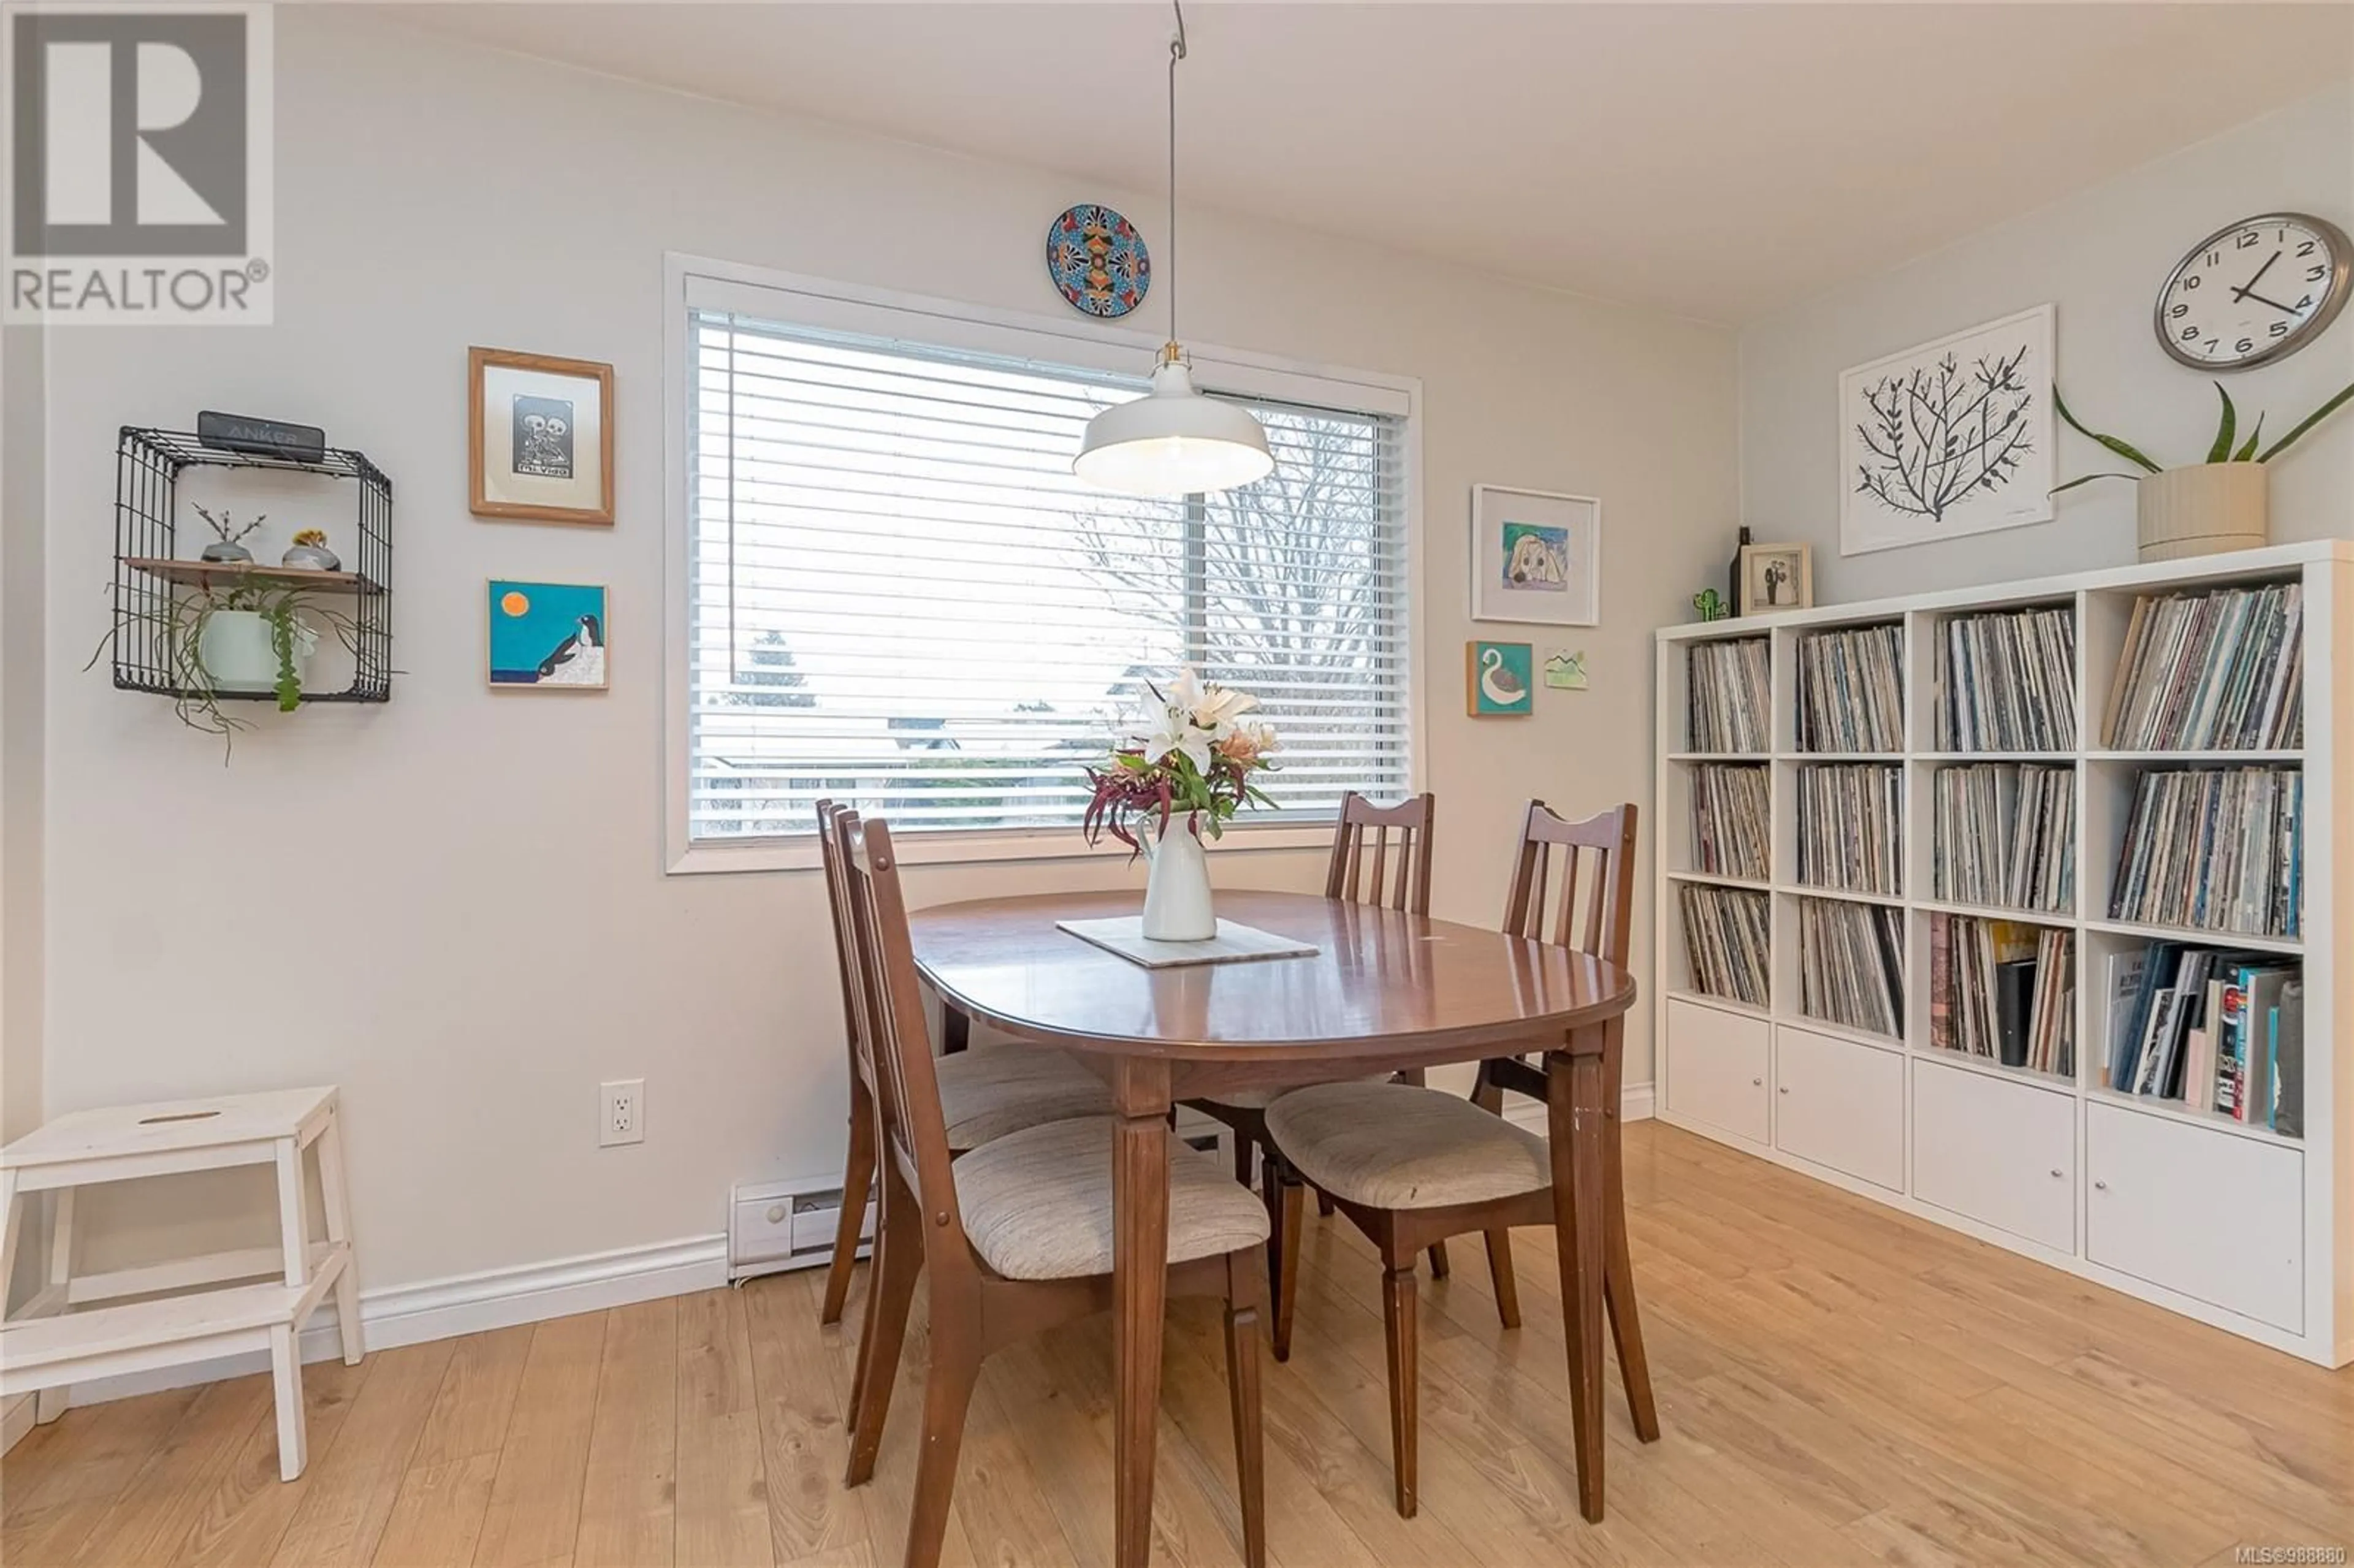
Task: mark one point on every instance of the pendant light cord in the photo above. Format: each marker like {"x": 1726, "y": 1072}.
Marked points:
{"x": 1176, "y": 53}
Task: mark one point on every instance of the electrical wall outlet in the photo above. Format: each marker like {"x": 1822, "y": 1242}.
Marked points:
{"x": 621, "y": 1112}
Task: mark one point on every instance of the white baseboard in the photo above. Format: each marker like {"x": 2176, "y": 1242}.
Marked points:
{"x": 468, "y": 1304}
{"x": 1635, "y": 1103}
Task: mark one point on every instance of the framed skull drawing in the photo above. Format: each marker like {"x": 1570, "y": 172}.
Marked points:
{"x": 540, "y": 442}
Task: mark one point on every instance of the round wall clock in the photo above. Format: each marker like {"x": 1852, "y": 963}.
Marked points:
{"x": 1098, "y": 261}
{"x": 2254, "y": 291}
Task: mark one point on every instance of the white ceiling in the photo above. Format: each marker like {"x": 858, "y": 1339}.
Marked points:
{"x": 1719, "y": 161}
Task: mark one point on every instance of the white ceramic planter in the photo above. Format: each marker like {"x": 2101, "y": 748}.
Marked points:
{"x": 236, "y": 653}
{"x": 1177, "y": 888}
{"x": 2203, "y": 510}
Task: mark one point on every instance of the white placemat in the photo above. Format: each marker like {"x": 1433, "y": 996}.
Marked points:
{"x": 1124, "y": 934}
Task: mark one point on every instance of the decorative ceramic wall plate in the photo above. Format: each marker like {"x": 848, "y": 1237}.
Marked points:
{"x": 1098, "y": 261}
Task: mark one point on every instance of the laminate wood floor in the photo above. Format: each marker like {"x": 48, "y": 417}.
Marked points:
{"x": 1839, "y": 1383}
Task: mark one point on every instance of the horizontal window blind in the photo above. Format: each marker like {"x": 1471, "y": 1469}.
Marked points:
{"x": 901, "y": 597}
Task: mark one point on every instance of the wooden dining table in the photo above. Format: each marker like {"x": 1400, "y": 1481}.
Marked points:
{"x": 1385, "y": 991}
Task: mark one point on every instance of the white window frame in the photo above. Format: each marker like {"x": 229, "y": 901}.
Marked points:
{"x": 796, "y": 300}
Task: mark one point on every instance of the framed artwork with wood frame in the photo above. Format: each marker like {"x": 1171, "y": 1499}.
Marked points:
{"x": 1776, "y": 576}
{"x": 539, "y": 441}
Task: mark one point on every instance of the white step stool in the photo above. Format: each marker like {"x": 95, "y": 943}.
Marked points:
{"x": 57, "y": 1340}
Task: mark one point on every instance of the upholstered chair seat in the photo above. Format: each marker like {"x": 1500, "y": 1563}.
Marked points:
{"x": 1037, "y": 1203}
{"x": 994, "y": 1090}
{"x": 1395, "y": 1146}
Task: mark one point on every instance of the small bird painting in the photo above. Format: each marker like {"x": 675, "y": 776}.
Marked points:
{"x": 1501, "y": 678}
{"x": 547, "y": 635}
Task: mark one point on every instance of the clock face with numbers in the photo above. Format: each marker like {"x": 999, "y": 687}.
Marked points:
{"x": 2255, "y": 291}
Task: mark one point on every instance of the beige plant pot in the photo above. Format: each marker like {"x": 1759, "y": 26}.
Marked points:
{"x": 2202, "y": 510}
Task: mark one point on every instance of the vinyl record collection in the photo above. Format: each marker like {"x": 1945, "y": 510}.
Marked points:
{"x": 1726, "y": 941}
{"x": 2008, "y": 682}
{"x": 2220, "y": 672}
{"x": 1849, "y": 827}
{"x": 1850, "y": 690}
{"x": 1851, "y": 964}
{"x": 1731, "y": 824}
{"x": 2005, "y": 836}
{"x": 2003, "y": 991}
{"x": 2221, "y": 1031}
{"x": 2215, "y": 850}
{"x": 1730, "y": 696}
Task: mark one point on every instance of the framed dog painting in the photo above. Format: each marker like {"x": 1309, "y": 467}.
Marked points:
{"x": 1535, "y": 557}
{"x": 540, "y": 437}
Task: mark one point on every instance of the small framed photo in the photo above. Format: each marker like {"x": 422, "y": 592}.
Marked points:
{"x": 1535, "y": 557}
{"x": 546, "y": 637}
{"x": 1499, "y": 680}
{"x": 1776, "y": 576}
{"x": 540, "y": 437}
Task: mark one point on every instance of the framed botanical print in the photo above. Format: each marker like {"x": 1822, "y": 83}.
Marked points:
{"x": 1535, "y": 557}
{"x": 540, "y": 437}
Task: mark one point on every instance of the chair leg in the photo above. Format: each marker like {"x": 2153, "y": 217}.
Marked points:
{"x": 1246, "y": 1293}
{"x": 1270, "y": 1193}
{"x": 872, "y": 1313}
{"x": 1287, "y": 1277}
{"x": 857, "y": 1178}
{"x": 1438, "y": 1260}
{"x": 1324, "y": 1203}
{"x": 901, "y": 1243}
{"x": 337, "y": 1202}
{"x": 1618, "y": 1266}
{"x": 1499, "y": 1274}
{"x": 50, "y": 1403}
{"x": 955, "y": 1323}
{"x": 1398, "y": 1328}
{"x": 1242, "y": 1155}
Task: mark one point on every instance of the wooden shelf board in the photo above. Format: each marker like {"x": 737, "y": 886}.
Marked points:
{"x": 1717, "y": 879}
{"x": 2060, "y": 1082}
{"x": 2175, "y": 1111}
{"x": 2063, "y": 919}
{"x": 1720, "y": 757}
{"x": 1840, "y": 756}
{"x": 1723, "y": 1004}
{"x": 2291, "y": 945}
{"x": 227, "y": 573}
{"x": 1953, "y": 757}
{"x": 2215, "y": 756}
{"x": 1840, "y": 894}
{"x": 1837, "y": 1030}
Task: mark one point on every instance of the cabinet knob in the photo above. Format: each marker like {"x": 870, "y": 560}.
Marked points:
{"x": 1758, "y": 1083}
{"x": 2057, "y": 1175}
{"x": 776, "y": 1213}
{"x": 2103, "y": 1186}
{"x": 1782, "y": 1090}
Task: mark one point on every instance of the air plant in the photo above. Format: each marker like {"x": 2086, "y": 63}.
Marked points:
{"x": 223, "y": 525}
{"x": 1193, "y": 755}
{"x": 2223, "y": 449}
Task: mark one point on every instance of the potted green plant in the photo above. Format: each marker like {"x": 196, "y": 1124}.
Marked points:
{"x": 247, "y": 638}
{"x": 2199, "y": 509}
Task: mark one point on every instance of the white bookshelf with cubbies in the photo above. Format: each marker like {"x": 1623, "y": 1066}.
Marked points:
{"x": 1927, "y": 993}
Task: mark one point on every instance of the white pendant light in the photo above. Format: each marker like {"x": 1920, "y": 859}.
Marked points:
{"x": 1172, "y": 440}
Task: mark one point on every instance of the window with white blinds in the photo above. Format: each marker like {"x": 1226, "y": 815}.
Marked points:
{"x": 900, "y": 597}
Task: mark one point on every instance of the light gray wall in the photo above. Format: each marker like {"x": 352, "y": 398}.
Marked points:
{"x": 2101, "y": 257}
{"x": 22, "y": 452}
{"x": 452, "y": 906}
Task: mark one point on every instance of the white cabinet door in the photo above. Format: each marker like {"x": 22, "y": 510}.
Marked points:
{"x": 1839, "y": 1104}
{"x": 2208, "y": 1212}
{"x": 2003, "y": 1153}
{"x": 1717, "y": 1069}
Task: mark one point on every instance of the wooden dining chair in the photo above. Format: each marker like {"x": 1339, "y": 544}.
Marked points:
{"x": 1380, "y": 856}
{"x": 984, "y": 1094}
{"x": 1016, "y": 1236}
{"x": 1412, "y": 1166}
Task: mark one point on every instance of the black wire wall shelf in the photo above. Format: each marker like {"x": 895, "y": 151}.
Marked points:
{"x": 149, "y": 571}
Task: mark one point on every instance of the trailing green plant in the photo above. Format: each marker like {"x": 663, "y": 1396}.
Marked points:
{"x": 176, "y": 622}
{"x": 2222, "y": 450}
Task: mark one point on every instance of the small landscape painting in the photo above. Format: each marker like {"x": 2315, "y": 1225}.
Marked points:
{"x": 1565, "y": 670}
{"x": 547, "y": 636}
{"x": 1500, "y": 678}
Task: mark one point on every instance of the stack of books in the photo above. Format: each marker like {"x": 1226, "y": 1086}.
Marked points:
{"x": 2005, "y": 836}
{"x": 1726, "y": 942}
{"x": 2008, "y": 683}
{"x": 1730, "y": 694}
{"x": 1852, "y": 691}
{"x": 1849, "y": 829}
{"x": 1731, "y": 824}
{"x": 2211, "y": 671}
{"x": 1851, "y": 964}
{"x": 2003, "y": 991}
{"x": 2222, "y": 1032}
{"x": 2215, "y": 850}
